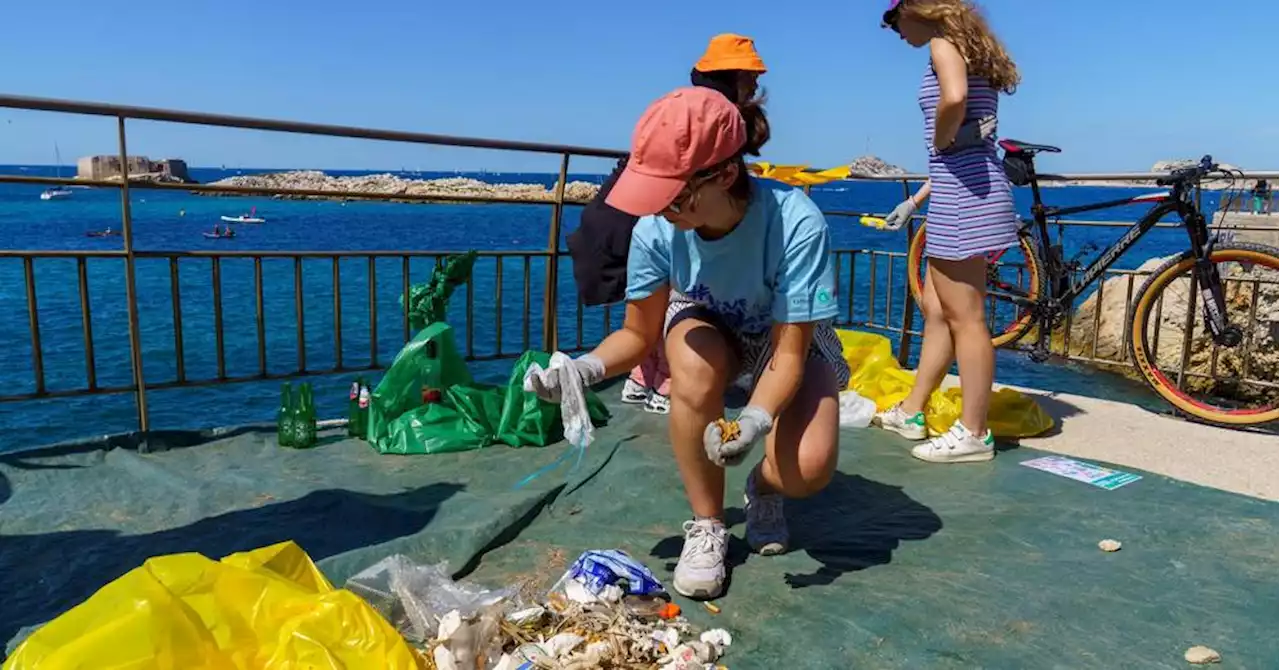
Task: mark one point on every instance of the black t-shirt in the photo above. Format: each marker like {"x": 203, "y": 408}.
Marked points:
{"x": 599, "y": 247}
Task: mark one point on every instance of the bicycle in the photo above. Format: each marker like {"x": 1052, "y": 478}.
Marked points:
{"x": 1053, "y": 283}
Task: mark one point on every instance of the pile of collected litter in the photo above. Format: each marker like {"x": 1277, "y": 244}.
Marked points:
{"x": 272, "y": 608}
{"x": 607, "y": 611}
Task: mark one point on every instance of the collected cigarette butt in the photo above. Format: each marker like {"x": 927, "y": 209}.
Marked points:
{"x": 711, "y": 607}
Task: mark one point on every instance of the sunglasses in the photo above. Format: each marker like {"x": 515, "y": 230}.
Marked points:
{"x": 687, "y": 195}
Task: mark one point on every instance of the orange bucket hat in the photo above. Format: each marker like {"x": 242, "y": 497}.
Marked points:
{"x": 730, "y": 52}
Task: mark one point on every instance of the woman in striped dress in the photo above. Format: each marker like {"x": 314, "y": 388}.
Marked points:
{"x": 970, "y": 213}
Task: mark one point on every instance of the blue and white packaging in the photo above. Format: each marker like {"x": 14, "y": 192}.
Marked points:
{"x": 599, "y": 568}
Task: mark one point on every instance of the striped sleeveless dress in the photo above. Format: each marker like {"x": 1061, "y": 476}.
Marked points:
{"x": 971, "y": 202}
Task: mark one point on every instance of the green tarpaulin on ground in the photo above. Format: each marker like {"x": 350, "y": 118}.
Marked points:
{"x": 898, "y": 564}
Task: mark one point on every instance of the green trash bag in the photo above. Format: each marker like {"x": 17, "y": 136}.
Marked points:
{"x": 430, "y": 360}
{"x": 468, "y": 415}
{"x": 528, "y": 421}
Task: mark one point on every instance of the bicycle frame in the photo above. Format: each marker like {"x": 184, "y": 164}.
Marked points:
{"x": 1165, "y": 203}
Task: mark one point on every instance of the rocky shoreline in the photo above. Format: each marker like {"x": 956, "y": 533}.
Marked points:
{"x": 1160, "y": 167}
{"x": 873, "y": 166}
{"x": 443, "y": 189}
{"x": 352, "y": 187}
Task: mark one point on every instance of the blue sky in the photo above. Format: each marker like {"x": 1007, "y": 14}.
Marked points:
{"x": 1118, "y": 84}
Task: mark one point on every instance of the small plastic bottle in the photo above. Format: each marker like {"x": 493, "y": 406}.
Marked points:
{"x": 353, "y": 408}
{"x": 362, "y": 407}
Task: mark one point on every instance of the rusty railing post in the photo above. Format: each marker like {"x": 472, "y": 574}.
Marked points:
{"x": 908, "y": 300}
{"x": 131, "y": 288}
{"x": 550, "y": 295}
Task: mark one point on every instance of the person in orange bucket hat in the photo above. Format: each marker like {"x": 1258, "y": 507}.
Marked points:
{"x": 733, "y": 276}
{"x": 731, "y": 62}
{"x": 599, "y": 247}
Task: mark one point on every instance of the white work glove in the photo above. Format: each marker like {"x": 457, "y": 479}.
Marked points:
{"x": 754, "y": 425}
{"x": 551, "y": 384}
{"x": 900, "y": 214}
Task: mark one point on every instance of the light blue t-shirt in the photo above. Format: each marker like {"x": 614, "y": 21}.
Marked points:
{"x": 773, "y": 267}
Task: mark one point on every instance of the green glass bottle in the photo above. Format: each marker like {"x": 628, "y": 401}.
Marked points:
{"x": 284, "y": 416}
{"x": 312, "y": 422}
{"x": 306, "y": 418}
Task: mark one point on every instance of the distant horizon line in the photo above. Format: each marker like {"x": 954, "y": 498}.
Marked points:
{"x": 313, "y": 169}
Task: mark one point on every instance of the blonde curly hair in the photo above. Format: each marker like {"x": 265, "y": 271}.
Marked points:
{"x": 962, "y": 24}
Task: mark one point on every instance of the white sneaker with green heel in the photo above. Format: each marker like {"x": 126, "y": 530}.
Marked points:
{"x": 957, "y": 445}
{"x": 910, "y": 426}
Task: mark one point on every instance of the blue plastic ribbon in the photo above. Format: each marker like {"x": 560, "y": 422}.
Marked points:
{"x": 579, "y": 449}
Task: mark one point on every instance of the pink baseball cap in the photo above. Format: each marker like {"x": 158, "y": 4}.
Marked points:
{"x": 687, "y": 130}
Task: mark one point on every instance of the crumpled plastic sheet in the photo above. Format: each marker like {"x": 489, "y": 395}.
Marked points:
{"x": 414, "y": 598}
{"x": 573, "y": 400}
{"x": 855, "y": 410}
{"x": 573, "y": 403}
{"x": 266, "y": 609}
{"x": 876, "y": 375}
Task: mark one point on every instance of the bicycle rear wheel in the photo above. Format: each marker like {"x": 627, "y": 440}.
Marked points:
{"x": 1013, "y": 272}
{"x": 1171, "y": 346}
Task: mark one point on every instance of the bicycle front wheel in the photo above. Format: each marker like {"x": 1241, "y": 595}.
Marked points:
{"x": 1013, "y": 272}
{"x": 1176, "y": 355}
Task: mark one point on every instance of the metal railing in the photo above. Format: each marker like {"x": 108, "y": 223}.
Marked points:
{"x": 888, "y": 305}
{"x": 1073, "y": 341}
{"x": 1243, "y": 203}
{"x": 130, "y": 254}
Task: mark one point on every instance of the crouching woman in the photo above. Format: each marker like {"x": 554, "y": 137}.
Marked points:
{"x": 736, "y": 274}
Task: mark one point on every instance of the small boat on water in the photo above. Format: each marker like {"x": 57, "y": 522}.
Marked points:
{"x": 245, "y": 218}
{"x": 55, "y": 193}
{"x": 103, "y": 233}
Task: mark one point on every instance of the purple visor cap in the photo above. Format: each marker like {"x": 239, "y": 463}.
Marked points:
{"x": 891, "y": 13}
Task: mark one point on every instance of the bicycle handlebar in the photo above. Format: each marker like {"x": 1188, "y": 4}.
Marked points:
{"x": 1188, "y": 175}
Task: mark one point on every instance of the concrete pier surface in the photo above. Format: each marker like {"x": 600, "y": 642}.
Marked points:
{"x": 1239, "y": 461}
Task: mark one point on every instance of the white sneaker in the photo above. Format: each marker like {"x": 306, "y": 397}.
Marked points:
{"x": 634, "y": 394}
{"x": 766, "y": 524}
{"x": 910, "y": 426}
{"x": 957, "y": 445}
{"x": 658, "y": 404}
{"x": 700, "y": 571}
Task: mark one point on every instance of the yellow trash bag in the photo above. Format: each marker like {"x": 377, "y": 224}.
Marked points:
{"x": 269, "y": 608}
{"x": 877, "y": 375}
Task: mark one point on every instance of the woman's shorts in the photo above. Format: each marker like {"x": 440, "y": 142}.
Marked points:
{"x": 753, "y": 351}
